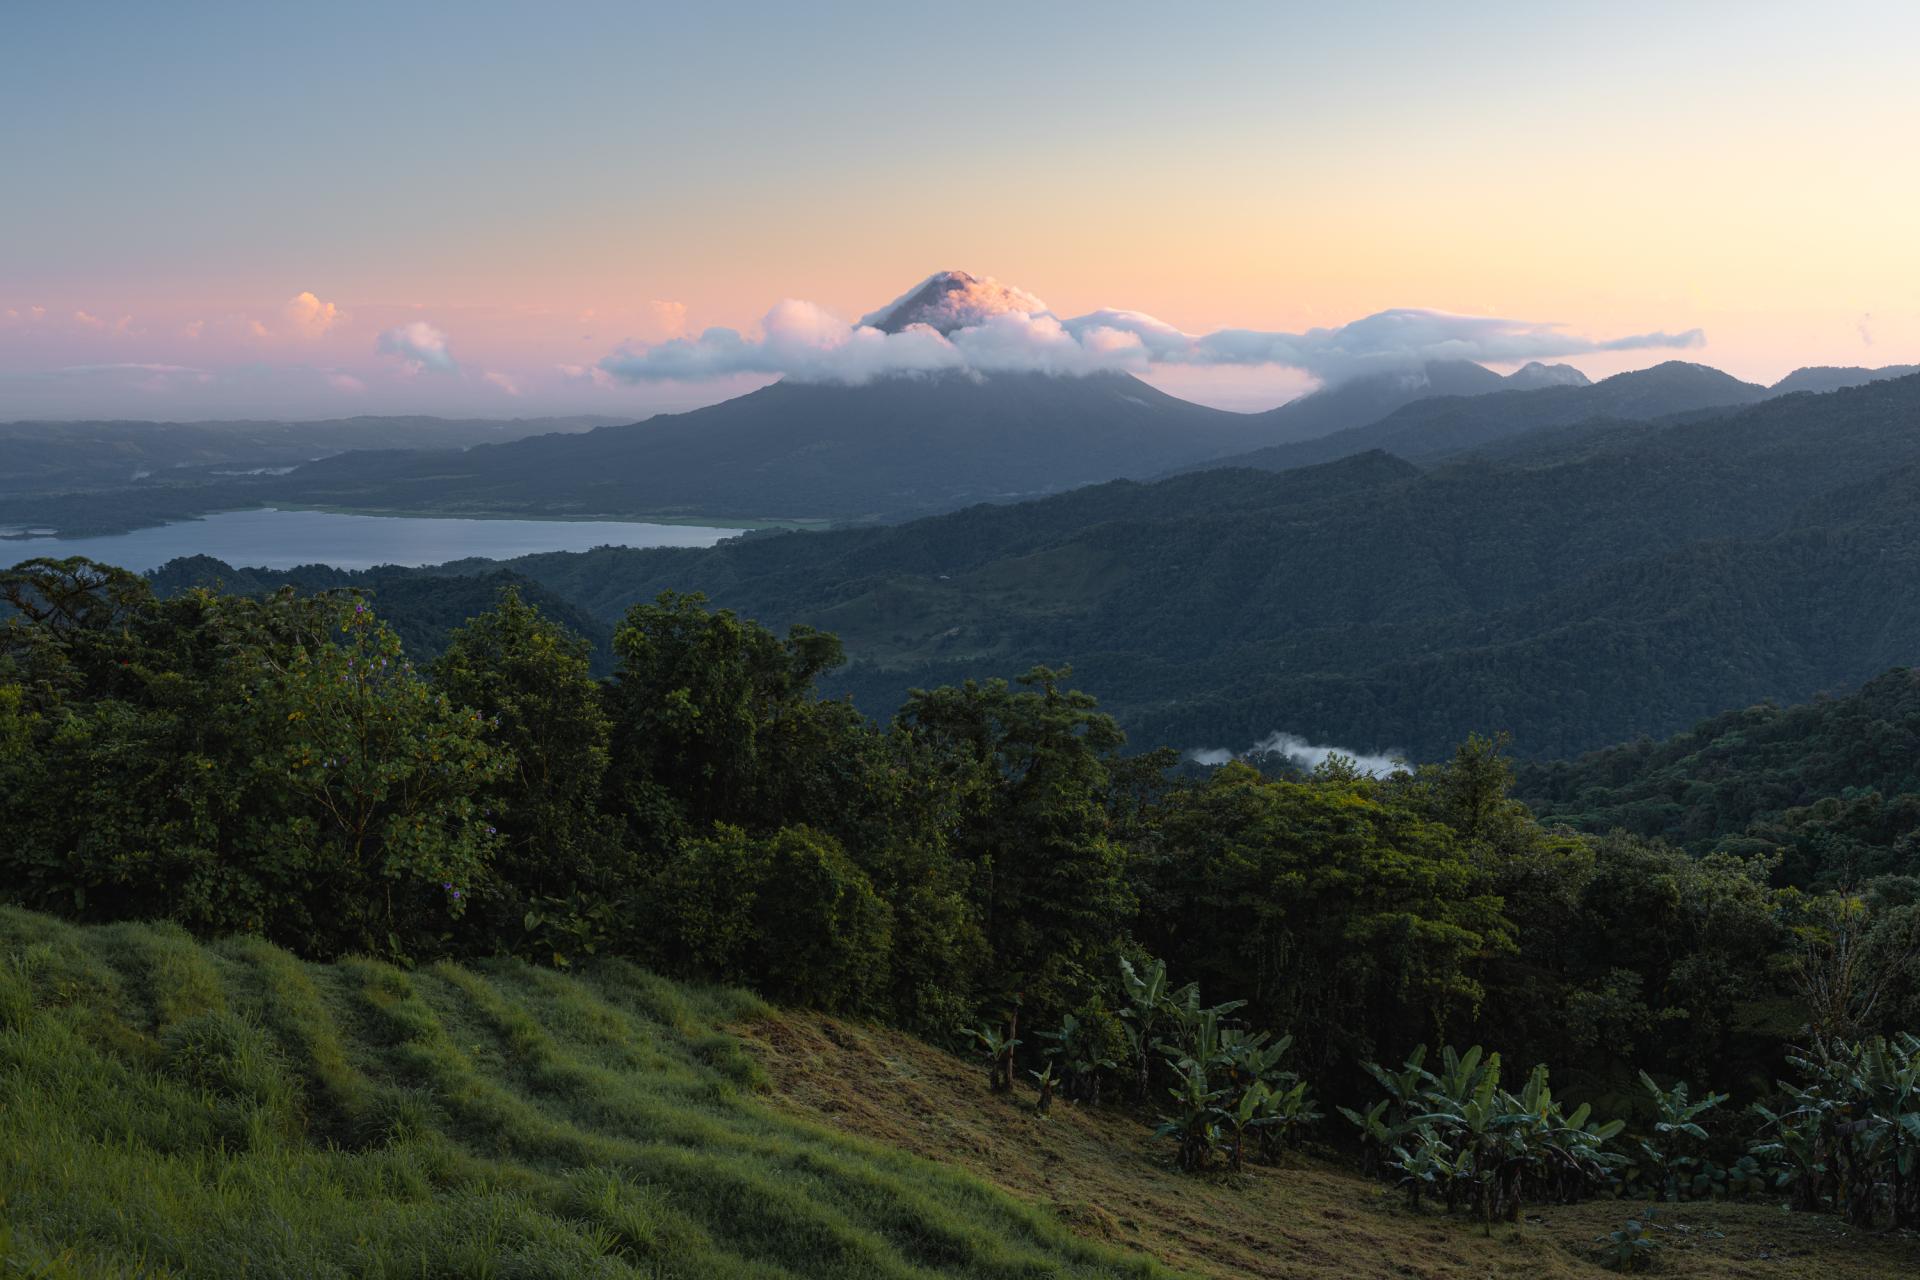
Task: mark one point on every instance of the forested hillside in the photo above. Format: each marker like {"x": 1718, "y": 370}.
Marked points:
{"x": 1626, "y": 581}
{"x": 1832, "y": 786}
{"x": 424, "y": 608}
{"x": 1254, "y": 972}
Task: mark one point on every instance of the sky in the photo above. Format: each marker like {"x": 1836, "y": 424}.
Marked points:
{"x": 226, "y": 210}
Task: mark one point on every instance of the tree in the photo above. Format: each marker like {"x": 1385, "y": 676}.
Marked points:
{"x": 789, "y": 914}
{"x": 559, "y": 857}
{"x": 715, "y": 719}
{"x": 1049, "y": 882}
{"x": 367, "y": 809}
{"x": 1330, "y": 905}
{"x": 235, "y": 764}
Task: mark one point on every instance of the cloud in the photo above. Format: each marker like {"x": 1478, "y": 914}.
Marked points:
{"x": 418, "y": 346}
{"x": 503, "y": 382}
{"x": 1305, "y": 754}
{"x": 983, "y": 326}
{"x": 192, "y": 329}
{"x": 87, "y": 320}
{"x": 308, "y": 316}
{"x": 1387, "y": 339}
{"x": 346, "y": 382}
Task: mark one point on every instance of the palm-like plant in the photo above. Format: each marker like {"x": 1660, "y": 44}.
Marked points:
{"x": 1796, "y": 1147}
{"x": 1076, "y": 1047}
{"x": 1457, "y": 1134}
{"x": 1677, "y": 1134}
{"x": 1284, "y": 1113}
{"x": 1631, "y": 1248}
{"x": 1044, "y": 1080}
{"x": 1853, "y": 1131}
{"x": 1195, "y": 1124}
{"x": 997, "y": 1048}
{"x": 1146, "y": 1012}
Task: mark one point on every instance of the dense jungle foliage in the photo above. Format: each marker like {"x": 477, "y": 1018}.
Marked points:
{"x": 990, "y": 864}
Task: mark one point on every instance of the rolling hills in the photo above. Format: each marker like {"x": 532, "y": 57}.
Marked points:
{"x": 1648, "y": 577}
{"x": 1831, "y": 785}
{"x": 893, "y": 447}
{"x": 1443, "y": 424}
{"x": 49, "y": 457}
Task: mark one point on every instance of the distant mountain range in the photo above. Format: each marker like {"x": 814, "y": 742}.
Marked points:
{"x": 890, "y": 449}
{"x": 1820, "y": 378}
{"x": 1658, "y": 574}
{"x": 893, "y": 447}
{"x": 1436, "y": 425}
{"x": 46, "y": 457}
{"x": 904, "y": 446}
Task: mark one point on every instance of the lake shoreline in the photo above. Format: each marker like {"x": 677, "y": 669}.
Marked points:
{"x": 274, "y": 537}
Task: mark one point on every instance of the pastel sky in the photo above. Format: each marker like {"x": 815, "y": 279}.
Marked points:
{"x": 220, "y": 210}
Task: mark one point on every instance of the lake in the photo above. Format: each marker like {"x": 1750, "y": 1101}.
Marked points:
{"x": 274, "y": 539}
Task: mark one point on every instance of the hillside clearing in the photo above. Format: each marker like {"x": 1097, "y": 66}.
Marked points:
{"x": 1102, "y": 1173}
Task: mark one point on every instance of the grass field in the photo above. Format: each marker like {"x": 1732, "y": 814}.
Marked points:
{"x": 170, "y": 1108}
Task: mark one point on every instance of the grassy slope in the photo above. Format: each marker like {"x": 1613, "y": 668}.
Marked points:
{"x": 1102, "y": 1172}
{"x": 168, "y": 1108}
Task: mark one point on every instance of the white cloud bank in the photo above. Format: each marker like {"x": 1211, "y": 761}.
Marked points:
{"x": 1307, "y": 755}
{"x": 955, "y": 321}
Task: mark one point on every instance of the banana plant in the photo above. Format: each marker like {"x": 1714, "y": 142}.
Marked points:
{"x": 1075, "y": 1047}
{"x": 1244, "y": 1114}
{"x": 1146, "y": 1012}
{"x": 1195, "y": 1124}
{"x": 1044, "y": 1080}
{"x": 1471, "y": 1114}
{"x": 1377, "y": 1137}
{"x": 1456, "y": 1133}
{"x": 1284, "y": 1113}
{"x": 1796, "y": 1147}
{"x": 1669, "y": 1156}
{"x": 1383, "y": 1124}
{"x": 1425, "y": 1166}
{"x": 1860, "y": 1110}
{"x": 997, "y": 1048}
{"x": 1633, "y": 1247}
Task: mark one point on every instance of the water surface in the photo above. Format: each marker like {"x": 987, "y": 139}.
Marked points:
{"x": 274, "y": 539}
